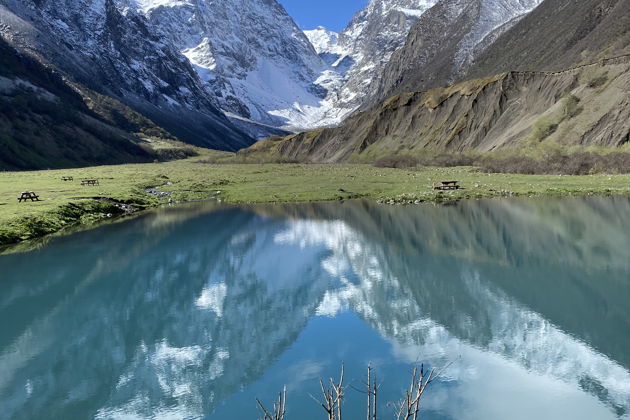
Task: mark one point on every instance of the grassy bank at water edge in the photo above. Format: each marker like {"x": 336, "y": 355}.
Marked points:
{"x": 125, "y": 189}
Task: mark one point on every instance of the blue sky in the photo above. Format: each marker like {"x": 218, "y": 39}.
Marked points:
{"x": 333, "y": 14}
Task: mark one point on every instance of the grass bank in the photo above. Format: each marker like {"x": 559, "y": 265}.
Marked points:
{"x": 122, "y": 188}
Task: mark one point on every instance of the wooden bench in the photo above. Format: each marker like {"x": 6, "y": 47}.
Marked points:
{"x": 67, "y": 178}
{"x": 447, "y": 185}
{"x": 28, "y": 195}
{"x": 90, "y": 182}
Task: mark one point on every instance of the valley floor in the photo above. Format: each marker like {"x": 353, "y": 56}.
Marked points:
{"x": 125, "y": 189}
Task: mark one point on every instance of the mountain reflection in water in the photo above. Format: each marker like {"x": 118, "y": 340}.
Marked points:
{"x": 194, "y": 312}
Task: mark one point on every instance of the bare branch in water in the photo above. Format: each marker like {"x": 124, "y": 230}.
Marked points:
{"x": 279, "y": 407}
{"x": 372, "y": 390}
{"x": 333, "y": 396}
{"x": 409, "y": 407}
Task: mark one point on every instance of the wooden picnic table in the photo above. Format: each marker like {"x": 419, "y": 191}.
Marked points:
{"x": 28, "y": 195}
{"x": 67, "y": 178}
{"x": 447, "y": 185}
{"x": 90, "y": 182}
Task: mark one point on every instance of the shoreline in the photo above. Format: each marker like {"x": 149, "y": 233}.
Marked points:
{"x": 130, "y": 190}
{"x": 36, "y": 242}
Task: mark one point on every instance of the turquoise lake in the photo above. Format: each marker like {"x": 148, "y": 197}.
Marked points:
{"x": 194, "y": 312}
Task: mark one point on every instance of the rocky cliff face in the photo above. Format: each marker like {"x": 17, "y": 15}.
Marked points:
{"x": 359, "y": 53}
{"x": 444, "y": 42}
{"x": 250, "y": 55}
{"x": 560, "y": 34}
{"x": 588, "y": 105}
{"x": 113, "y": 51}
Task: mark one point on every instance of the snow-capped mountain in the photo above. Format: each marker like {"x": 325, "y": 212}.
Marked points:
{"x": 112, "y": 50}
{"x": 443, "y": 44}
{"x": 322, "y": 39}
{"x": 252, "y": 56}
{"x": 187, "y": 64}
{"x": 249, "y": 53}
{"x": 262, "y": 67}
{"x": 358, "y": 54}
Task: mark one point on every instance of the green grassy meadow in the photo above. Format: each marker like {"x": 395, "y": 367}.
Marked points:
{"x": 67, "y": 204}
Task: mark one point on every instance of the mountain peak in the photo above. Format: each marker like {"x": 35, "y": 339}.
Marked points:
{"x": 323, "y": 40}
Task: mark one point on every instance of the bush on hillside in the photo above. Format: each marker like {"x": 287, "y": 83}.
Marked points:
{"x": 512, "y": 165}
{"x": 557, "y": 163}
{"x": 451, "y": 160}
{"x": 543, "y": 128}
{"x": 579, "y": 163}
{"x": 398, "y": 162}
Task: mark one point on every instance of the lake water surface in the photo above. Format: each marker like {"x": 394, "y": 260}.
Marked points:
{"x": 192, "y": 313}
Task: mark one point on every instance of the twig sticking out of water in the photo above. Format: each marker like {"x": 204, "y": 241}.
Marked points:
{"x": 409, "y": 407}
{"x": 371, "y": 390}
{"x": 406, "y": 409}
{"x": 279, "y": 407}
{"x": 333, "y": 396}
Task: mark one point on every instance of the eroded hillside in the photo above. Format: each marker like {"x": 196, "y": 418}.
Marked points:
{"x": 586, "y": 105}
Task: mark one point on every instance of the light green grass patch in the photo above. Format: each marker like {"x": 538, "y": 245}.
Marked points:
{"x": 68, "y": 203}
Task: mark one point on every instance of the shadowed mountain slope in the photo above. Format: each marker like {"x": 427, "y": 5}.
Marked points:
{"x": 44, "y": 123}
{"x": 560, "y": 34}
{"x": 111, "y": 50}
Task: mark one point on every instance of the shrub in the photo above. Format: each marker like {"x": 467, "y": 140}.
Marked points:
{"x": 174, "y": 153}
{"x": 543, "y": 128}
{"x": 579, "y": 163}
{"x": 451, "y": 160}
{"x": 572, "y": 106}
{"x": 598, "y": 80}
{"x": 512, "y": 165}
{"x": 399, "y": 162}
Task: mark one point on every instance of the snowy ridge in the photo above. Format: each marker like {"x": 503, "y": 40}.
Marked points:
{"x": 323, "y": 40}
{"x": 362, "y": 50}
{"x": 292, "y": 79}
{"x": 246, "y": 58}
{"x": 365, "y": 47}
{"x": 250, "y": 54}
